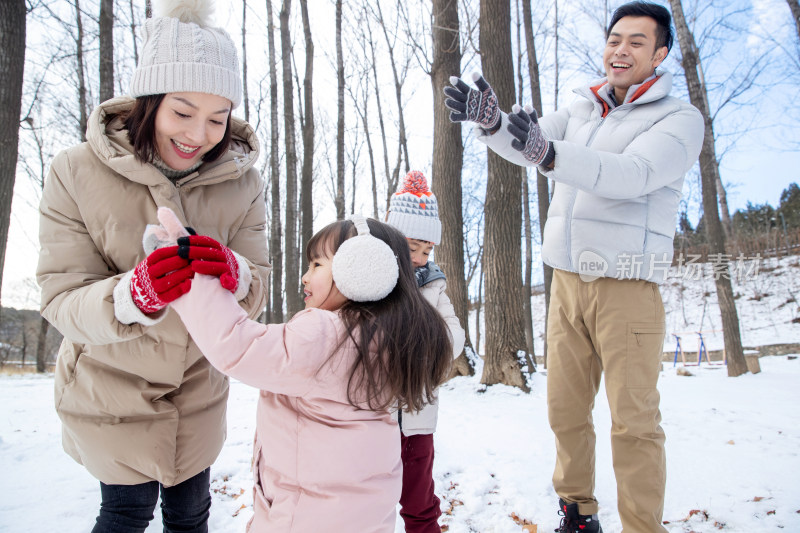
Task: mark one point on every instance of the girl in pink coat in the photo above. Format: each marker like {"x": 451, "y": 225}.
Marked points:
{"x": 327, "y": 455}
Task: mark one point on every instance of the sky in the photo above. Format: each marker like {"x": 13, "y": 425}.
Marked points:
{"x": 761, "y": 164}
{"x": 732, "y": 443}
{"x": 764, "y": 159}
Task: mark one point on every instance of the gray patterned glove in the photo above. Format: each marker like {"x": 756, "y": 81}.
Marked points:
{"x": 528, "y": 136}
{"x": 467, "y": 104}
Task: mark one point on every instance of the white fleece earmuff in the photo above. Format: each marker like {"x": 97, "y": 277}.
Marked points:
{"x": 364, "y": 267}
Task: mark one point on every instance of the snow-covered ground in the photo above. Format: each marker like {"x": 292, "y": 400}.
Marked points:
{"x": 733, "y": 448}
{"x": 733, "y": 444}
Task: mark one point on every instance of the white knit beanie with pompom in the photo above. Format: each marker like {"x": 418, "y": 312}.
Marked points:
{"x": 183, "y": 52}
{"x": 413, "y": 209}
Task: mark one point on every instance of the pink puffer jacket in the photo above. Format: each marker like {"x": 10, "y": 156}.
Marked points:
{"x": 320, "y": 464}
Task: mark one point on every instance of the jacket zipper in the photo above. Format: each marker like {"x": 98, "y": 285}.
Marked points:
{"x": 594, "y": 132}
{"x": 599, "y": 125}
{"x": 575, "y": 192}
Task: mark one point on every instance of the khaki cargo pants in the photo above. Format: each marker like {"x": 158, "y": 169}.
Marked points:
{"x": 616, "y": 327}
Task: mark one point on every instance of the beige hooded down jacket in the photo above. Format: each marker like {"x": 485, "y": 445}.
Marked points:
{"x": 138, "y": 403}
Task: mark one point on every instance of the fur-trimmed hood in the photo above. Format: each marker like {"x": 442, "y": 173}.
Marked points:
{"x": 108, "y": 139}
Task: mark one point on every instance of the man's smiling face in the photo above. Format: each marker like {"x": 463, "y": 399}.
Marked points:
{"x": 630, "y": 56}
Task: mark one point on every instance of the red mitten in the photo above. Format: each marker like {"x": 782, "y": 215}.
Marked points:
{"x": 160, "y": 278}
{"x": 209, "y": 257}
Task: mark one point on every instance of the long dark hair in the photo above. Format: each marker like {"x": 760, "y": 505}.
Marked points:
{"x": 141, "y": 126}
{"x": 403, "y": 345}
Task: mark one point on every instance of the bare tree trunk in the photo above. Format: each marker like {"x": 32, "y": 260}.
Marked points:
{"x": 41, "y": 346}
{"x": 555, "y": 68}
{"x": 448, "y": 157}
{"x": 542, "y": 187}
{"x": 39, "y": 177}
{"x": 398, "y": 90}
{"x": 526, "y": 215}
{"x": 371, "y": 151}
{"x": 276, "y": 255}
{"x": 727, "y": 225}
{"x": 393, "y": 176}
{"x": 306, "y": 175}
{"x": 390, "y": 184}
{"x": 362, "y": 109}
{"x": 244, "y": 62}
{"x": 478, "y": 307}
{"x": 106, "y": 50}
{"x": 12, "y": 63}
{"x": 80, "y": 72}
{"x": 362, "y": 106}
{"x": 354, "y": 157}
{"x": 503, "y": 263}
{"x": 24, "y": 342}
{"x": 354, "y": 173}
{"x": 709, "y": 173}
{"x": 339, "y": 200}
{"x": 794, "y": 5}
{"x": 527, "y": 282}
{"x": 293, "y": 301}
{"x": 148, "y": 9}
{"x": 133, "y": 34}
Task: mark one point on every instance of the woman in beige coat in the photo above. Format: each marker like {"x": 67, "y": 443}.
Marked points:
{"x": 141, "y": 408}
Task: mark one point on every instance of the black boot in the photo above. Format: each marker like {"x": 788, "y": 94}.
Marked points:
{"x": 572, "y": 522}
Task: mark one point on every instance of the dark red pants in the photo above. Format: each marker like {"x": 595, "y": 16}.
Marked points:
{"x": 419, "y": 504}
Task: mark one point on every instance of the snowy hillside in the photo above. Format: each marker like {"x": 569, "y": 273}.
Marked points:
{"x": 767, "y": 299}
{"x": 766, "y": 295}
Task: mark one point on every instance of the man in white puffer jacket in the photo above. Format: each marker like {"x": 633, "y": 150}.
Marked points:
{"x": 413, "y": 210}
{"x": 618, "y": 157}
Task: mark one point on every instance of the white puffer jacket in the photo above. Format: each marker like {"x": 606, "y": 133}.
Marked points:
{"x": 618, "y": 178}
{"x": 424, "y": 421}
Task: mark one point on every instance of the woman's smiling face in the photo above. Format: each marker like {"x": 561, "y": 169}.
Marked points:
{"x": 189, "y": 125}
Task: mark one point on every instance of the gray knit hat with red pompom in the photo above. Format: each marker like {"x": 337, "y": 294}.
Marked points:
{"x": 182, "y": 52}
{"x": 413, "y": 209}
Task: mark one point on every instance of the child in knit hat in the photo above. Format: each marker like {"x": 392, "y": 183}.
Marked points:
{"x": 413, "y": 210}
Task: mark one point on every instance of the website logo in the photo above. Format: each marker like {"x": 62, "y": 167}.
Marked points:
{"x": 591, "y": 266}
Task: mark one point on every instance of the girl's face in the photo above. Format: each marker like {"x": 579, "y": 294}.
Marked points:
{"x": 318, "y": 286}
{"x": 188, "y": 125}
{"x": 420, "y": 252}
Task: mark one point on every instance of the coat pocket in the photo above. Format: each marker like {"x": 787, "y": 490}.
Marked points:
{"x": 645, "y": 342}
{"x": 66, "y": 369}
{"x": 261, "y": 497}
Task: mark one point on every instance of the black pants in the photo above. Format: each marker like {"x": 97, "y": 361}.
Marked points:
{"x": 129, "y": 508}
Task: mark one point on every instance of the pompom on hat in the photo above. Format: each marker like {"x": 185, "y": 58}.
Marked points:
{"x": 364, "y": 267}
{"x": 414, "y": 211}
{"x": 182, "y": 52}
